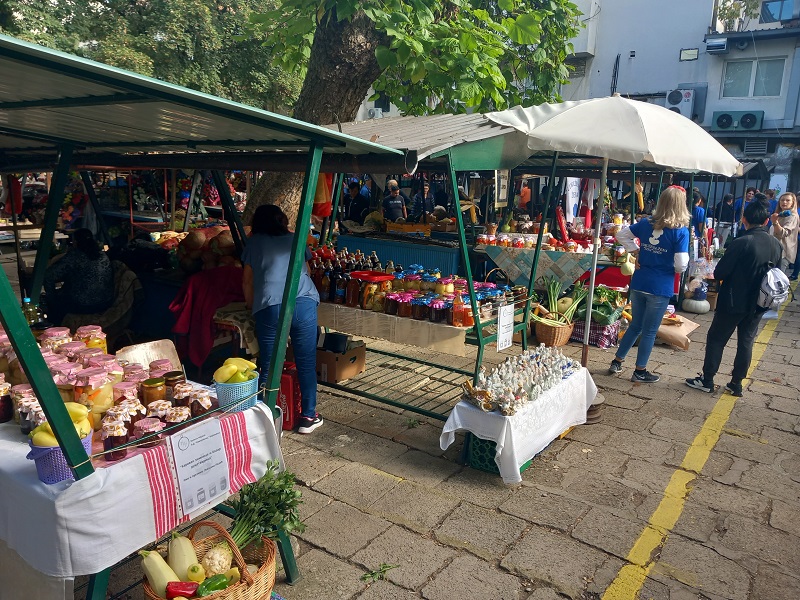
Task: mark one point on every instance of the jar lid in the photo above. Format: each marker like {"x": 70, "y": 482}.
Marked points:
{"x": 22, "y": 389}
{"x": 88, "y": 330}
{"x": 161, "y": 363}
{"x": 113, "y": 429}
{"x": 153, "y": 382}
{"x": 148, "y": 425}
{"x": 86, "y": 353}
{"x": 176, "y": 414}
{"x": 53, "y": 332}
{"x": 133, "y": 368}
{"x": 173, "y": 375}
{"x": 94, "y": 377}
{"x": 71, "y": 348}
{"x": 158, "y": 373}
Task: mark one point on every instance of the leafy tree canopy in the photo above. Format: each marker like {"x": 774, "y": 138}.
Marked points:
{"x": 193, "y": 43}
{"x": 440, "y": 56}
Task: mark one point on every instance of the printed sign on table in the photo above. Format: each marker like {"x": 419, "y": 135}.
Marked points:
{"x": 505, "y": 327}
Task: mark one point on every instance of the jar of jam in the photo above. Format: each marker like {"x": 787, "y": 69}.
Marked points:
{"x": 114, "y": 434}
{"x": 153, "y": 390}
{"x": 171, "y": 379}
{"x": 177, "y": 418}
{"x": 92, "y": 336}
{"x": 70, "y": 349}
{"x": 379, "y": 302}
{"x": 181, "y": 394}
{"x": 162, "y": 364}
{"x": 438, "y": 313}
{"x": 6, "y": 405}
{"x": 36, "y": 416}
{"x": 158, "y": 409}
{"x": 419, "y": 309}
{"x": 391, "y": 303}
{"x": 150, "y": 430}
{"x": 25, "y": 408}
{"x": 120, "y": 413}
{"x": 352, "y": 293}
{"x": 135, "y": 411}
{"x": 201, "y": 402}
{"x": 20, "y": 393}
{"x": 108, "y": 362}
{"x": 126, "y": 390}
{"x": 53, "y": 337}
{"x": 83, "y": 356}
{"x": 404, "y": 306}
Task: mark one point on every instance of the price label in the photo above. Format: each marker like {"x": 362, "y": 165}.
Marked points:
{"x": 505, "y": 327}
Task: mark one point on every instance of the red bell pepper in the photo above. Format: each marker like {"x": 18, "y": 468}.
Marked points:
{"x": 176, "y": 589}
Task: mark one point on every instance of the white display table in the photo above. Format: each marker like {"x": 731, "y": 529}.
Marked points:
{"x": 522, "y": 436}
{"x": 83, "y": 527}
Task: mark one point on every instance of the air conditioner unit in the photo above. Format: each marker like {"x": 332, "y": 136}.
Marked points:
{"x": 737, "y": 120}
{"x": 375, "y": 113}
{"x": 681, "y": 101}
{"x": 717, "y": 45}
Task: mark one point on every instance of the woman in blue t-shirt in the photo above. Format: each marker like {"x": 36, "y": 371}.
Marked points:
{"x": 266, "y": 268}
{"x": 663, "y": 251}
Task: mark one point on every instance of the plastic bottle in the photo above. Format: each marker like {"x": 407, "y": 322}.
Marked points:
{"x": 458, "y": 311}
{"x": 29, "y": 311}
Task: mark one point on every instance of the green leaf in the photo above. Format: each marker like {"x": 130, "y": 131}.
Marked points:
{"x": 385, "y": 57}
{"x": 525, "y": 30}
{"x": 506, "y": 5}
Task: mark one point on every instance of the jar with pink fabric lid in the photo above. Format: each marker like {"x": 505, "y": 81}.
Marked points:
{"x": 20, "y": 393}
{"x": 125, "y": 390}
{"x": 109, "y": 363}
{"x": 53, "y": 337}
{"x": 92, "y": 336}
{"x": 83, "y": 356}
{"x": 161, "y": 364}
{"x": 93, "y": 389}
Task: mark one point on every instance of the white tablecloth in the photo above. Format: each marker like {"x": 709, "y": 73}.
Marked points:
{"x": 82, "y": 527}
{"x": 523, "y": 435}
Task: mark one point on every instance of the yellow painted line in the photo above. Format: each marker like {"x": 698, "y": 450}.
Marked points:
{"x": 631, "y": 577}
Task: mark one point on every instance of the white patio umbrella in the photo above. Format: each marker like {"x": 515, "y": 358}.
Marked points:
{"x": 624, "y": 130}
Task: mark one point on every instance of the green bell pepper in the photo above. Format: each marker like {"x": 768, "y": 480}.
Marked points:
{"x": 212, "y": 585}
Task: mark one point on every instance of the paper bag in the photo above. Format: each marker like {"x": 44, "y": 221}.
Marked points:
{"x": 677, "y": 335}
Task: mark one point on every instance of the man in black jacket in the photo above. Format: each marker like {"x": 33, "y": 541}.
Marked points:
{"x": 741, "y": 270}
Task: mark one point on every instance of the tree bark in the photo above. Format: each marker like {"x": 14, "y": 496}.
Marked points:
{"x": 341, "y": 69}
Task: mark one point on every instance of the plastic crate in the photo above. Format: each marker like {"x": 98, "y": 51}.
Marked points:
{"x": 480, "y": 455}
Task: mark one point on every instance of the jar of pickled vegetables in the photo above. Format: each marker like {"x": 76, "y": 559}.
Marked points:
{"x": 154, "y": 390}
{"x": 70, "y": 349}
{"x": 482, "y": 239}
{"x": 412, "y": 283}
{"x": 131, "y": 369}
{"x": 83, "y": 356}
{"x": 108, "y": 362}
{"x": 379, "y": 302}
{"x": 428, "y": 283}
{"x": 491, "y": 240}
{"x": 161, "y": 364}
{"x": 92, "y": 336}
{"x": 93, "y": 389}
{"x": 54, "y": 360}
{"x": 517, "y": 242}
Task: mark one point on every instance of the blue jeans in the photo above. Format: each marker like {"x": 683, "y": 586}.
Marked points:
{"x": 304, "y": 344}
{"x": 648, "y": 311}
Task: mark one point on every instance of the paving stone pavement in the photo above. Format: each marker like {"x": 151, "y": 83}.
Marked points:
{"x": 380, "y": 491}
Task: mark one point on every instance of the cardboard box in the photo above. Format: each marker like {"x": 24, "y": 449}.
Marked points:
{"x": 333, "y": 367}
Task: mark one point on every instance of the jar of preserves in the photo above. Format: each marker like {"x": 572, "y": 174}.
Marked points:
{"x": 20, "y": 393}
{"x": 53, "y": 337}
{"x": 154, "y": 390}
{"x": 352, "y": 293}
{"x": 419, "y": 309}
{"x": 131, "y": 369}
{"x": 171, "y": 379}
{"x": 157, "y": 373}
{"x": 149, "y": 429}
{"x": 70, "y": 349}
{"x": 6, "y": 405}
{"x": 92, "y": 336}
{"x": 491, "y": 240}
{"x": 404, "y": 306}
{"x": 136, "y": 412}
{"x": 181, "y": 393}
{"x": 428, "y": 283}
{"x": 438, "y": 313}
{"x": 517, "y": 242}
{"x": 391, "y": 303}
{"x": 108, "y": 362}
{"x": 201, "y": 402}
{"x": 412, "y": 283}
{"x": 114, "y": 434}
{"x": 93, "y": 389}
{"x": 25, "y": 408}
{"x": 161, "y": 364}
{"x": 158, "y": 409}
{"x": 177, "y": 418}
{"x": 482, "y": 239}
{"x": 83, "y": 356}
{"x": 120, "y": 413}
{"x": 138, "y": 379}
{"x": 55, "y": 359}
{"x": 368, "y": 292}
{"x": 126, "y": 390}
{"x": 459, "y": 286}
{"x": 340, "y": 289}
{"x": 379, "y": 302}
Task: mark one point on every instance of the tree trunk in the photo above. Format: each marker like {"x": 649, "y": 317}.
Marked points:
{"x": 341, "y": 69}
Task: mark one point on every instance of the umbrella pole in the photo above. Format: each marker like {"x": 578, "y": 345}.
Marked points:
{"x": 713, "y": 193}
{"x": 633, "y": 193}
{"x": 593, "y": 272}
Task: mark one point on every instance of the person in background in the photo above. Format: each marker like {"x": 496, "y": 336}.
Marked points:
{"x": 663, "y": 251}
{"x": 524, "y": 195}
{"x": 423, "y": 202}
{"x": 393, "y": 207}
{"x": 724, "y": 218}
{"x": 785, "y": 226}
{"x": 773, "y": 202}
{"x": 741, "y": 270}
{"x": 698, "y": 216}
{"x": 86, "y": 277}
{"x": 357, "y": 204}
{"x": 406, "y": 199}
{"x": 266, "y": 266}
{"x": 739, "y": 205}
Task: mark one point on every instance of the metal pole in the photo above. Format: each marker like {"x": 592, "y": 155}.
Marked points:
{"x": 293, "y": 278}
{"x": 17, "y": 244}
{"x": 234, "y": 222}
{"x": 173, "y": 197}
{"x": 712, "y": 190}
{"x": 55, "y": 199}
{"x": 337, "y": 195}
{"x": 198, "y": 176}
{"x": 660, "y": 182}
{"x": 462, "y": 237}
{"x": 537, "y": 253}
{"x": 101, "y": 222}
{"x": 593, "y": 272}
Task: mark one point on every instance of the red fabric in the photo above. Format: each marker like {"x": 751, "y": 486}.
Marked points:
{"x": 323, "y": 206}
{"x": 14, "y": 197}
{"x": 237, "y": 449}
{"x": 162, "y": 488}
{"x": 608, "y": 276}
{"x": 197, "y": 301}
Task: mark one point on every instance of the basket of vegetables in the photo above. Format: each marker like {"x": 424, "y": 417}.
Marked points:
{"x": 553, "y": 326}
{"x": 211, "y": 567}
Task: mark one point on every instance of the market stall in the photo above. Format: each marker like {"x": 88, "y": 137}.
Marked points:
{"x": 138, "y": 113}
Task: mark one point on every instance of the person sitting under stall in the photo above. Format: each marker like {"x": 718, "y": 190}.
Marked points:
{"x": 86, "y": 277}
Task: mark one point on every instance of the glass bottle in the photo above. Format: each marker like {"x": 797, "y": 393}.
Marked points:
{"x": 389, "y": 267}
{"x": 325, "y": 283}
{"x": 458, "y": 311}
{"x": 353, "y": 293}
{"x": 340, "y": 293}
{"x": 374, "y": 260}
{"x": 336, "y": 275}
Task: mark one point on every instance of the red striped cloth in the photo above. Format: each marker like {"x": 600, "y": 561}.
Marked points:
{"x": 237, "y": 449}
{"x": 162, "y": 482}
{"x": 162, "y": 489}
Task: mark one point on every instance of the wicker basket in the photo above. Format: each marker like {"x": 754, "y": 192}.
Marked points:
{"x": 551, "y": 335}
{"x": 257, "y": 586}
